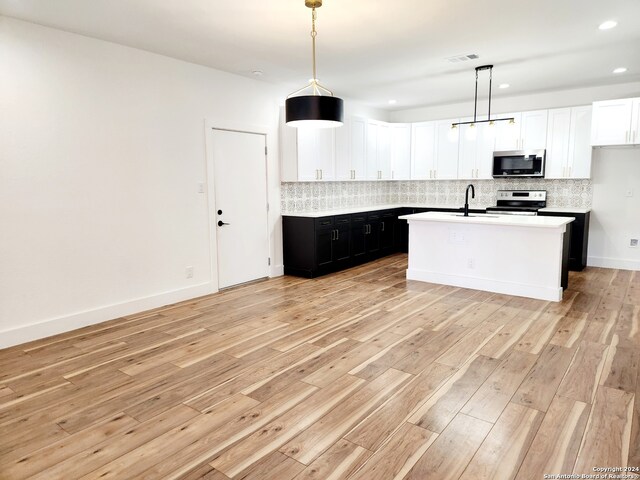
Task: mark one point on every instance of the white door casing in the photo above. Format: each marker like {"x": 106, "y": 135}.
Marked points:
{"x": 240, "y": 177}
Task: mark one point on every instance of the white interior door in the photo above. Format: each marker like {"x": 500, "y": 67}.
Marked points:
{"x": 240, "y": 173}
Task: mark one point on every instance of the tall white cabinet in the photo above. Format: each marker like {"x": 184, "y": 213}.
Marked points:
{"x": 568, "y": 148}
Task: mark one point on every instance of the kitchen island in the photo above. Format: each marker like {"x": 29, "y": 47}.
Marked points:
{"x": 515, "y": 255}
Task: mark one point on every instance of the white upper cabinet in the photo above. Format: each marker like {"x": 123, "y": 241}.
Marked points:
{"x": 558, "y": 143}
{"x": 635, "y": 122}
{"x": 533, "y": 132}
{"x": 307, "y": 154}
{"x": 475, "y": 158}
{"x": 344, "y": 169}
{"x": 580, "y": 150}
{"x": 400, "y": 151}
{"x": 612, "y": 122}
{"x": 351, "y": 149}
{"x": 446, "y": 151}
{"x": 423, "y": 150}
{"x": 378, "y": 156}
{"x": 507, "y": 133}
{"x": 568, "y": 147}
{"x": 528, "y": 132}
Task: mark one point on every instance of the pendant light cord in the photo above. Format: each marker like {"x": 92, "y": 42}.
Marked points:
{"x": 313, "y": 49}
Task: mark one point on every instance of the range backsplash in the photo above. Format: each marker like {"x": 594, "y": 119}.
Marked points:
{"x": 297, "y": 197}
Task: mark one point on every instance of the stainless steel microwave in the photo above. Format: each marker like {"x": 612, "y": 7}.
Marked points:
{"x": 519, "y": 163}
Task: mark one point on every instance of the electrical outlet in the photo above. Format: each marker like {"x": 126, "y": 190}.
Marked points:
{"x": 188, "y": 272}
{"x": 633, "y": 243}
{"x": 470, "y": 263}
{"x": 628, "y": 192}
{"x": 200, "y": 187}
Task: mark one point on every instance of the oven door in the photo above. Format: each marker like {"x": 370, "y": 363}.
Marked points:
{"x": 518, "y": 163}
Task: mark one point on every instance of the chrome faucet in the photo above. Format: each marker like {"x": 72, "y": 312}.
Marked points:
{"x": 466, "y": 198}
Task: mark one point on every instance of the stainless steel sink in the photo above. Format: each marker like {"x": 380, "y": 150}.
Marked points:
{"x": 472, "y": 215}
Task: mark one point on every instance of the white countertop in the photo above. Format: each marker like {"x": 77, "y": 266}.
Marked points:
{"x": 484, "y": 219}
{"x": 373, "y": 208}
{"x": 565, "y": 210}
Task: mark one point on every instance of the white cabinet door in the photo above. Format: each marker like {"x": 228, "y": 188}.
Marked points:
{"x": 507, "y": 133}
{"x": 635, "y": 122}
{"x": 326, "y": 159}
{"x": 372, "y": 150}
{"x": 611, "y": 122}
{"x": 343, "y": 151}
{"x": 400, "y": 150}
{"x": 467, "y": 154}
{"x": 475, "y": 158}
{"x": 446, "y": 158}
{"x": 580, "y": 150}
{"x": 423, "y": 148}
{"x": 358, "y": 136}
{"x": 384, "y": 151}
{"x": 559, "y": 128}
{"x": 316, "y": 154}
{"x": 533, "y": 132}
{"x": 485, "y": 145}
{"x": 308, "y": 164}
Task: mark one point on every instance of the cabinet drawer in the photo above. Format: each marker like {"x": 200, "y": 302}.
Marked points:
{"x": 374, "y": 216}
{"x": 324, "y": 222}
{"x": 358, "y": 218}
{"x": 342, "y": 220}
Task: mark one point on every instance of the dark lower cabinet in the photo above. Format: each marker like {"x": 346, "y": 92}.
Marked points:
{"x": 316, "y": 246}
{"x": 579, "y": 241}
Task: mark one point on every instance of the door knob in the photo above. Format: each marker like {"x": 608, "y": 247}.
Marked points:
{"x": 221, "y": 223}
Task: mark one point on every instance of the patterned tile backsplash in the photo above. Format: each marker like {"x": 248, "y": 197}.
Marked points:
{"x": 297, "y": 197}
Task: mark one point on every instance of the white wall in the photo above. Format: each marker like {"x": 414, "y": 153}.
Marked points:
{"x": 615, "y": 218}
{"x": 102, "y": 150}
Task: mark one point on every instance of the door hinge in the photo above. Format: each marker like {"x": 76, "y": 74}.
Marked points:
{"x": 269, "y": 261}
{"x": 265, "y": 150}
{"x": 267, "y": 206}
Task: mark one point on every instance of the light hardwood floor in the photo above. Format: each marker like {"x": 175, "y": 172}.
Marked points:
{"x": 358, "y": 375}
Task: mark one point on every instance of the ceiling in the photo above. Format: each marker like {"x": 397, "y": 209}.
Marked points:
{"x": 376, "y": 50}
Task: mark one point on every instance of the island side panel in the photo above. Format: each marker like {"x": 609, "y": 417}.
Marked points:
{"x": 515, "y": 260}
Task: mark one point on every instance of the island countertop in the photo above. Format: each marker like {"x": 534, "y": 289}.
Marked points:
{"x": 489, "y": 219}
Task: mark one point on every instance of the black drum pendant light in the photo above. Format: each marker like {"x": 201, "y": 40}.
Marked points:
{"x": 319, "y": 108}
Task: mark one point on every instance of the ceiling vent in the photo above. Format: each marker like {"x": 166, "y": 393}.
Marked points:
{"x": 463, "y": 58}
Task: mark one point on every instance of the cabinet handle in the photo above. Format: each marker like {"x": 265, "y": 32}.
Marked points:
{"x": 435, "y": 174}
{"x": 392, "y": 174}
{"x": 382, "y": 230}
{"x": 569, "y": 174}
{"x": 337, "y": 234}
{"x": 320, "y": 174}
{"x": 626, "y": 136}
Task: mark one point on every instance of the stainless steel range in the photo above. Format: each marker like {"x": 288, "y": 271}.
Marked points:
{"x": 519, "y": 202}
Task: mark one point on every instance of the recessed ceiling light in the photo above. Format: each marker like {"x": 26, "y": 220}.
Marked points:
{"x": 608, "y": 25}
{"x": 258, "y": 73}
{"x": 620, "y": 70}
{"x": 392, "y": 102}
{"x": 504, "y": 85}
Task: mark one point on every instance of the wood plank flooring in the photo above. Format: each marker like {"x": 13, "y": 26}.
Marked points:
{"x": 356, "y": 375}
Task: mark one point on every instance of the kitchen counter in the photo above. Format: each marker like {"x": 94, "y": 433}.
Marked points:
{"x": 372, "y": 208}
{"x": 489, "y": 219}
{"x": 510, "y": 254}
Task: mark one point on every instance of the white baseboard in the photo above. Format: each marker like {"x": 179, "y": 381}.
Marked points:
{"x": 35, "y": 331}
{"x": 618, "y": 263}
{"x": 277, "y": 271}
{"x": 509, "y": 288}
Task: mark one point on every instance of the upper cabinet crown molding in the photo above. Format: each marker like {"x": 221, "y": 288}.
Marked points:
{"x": 616, "y": 122}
